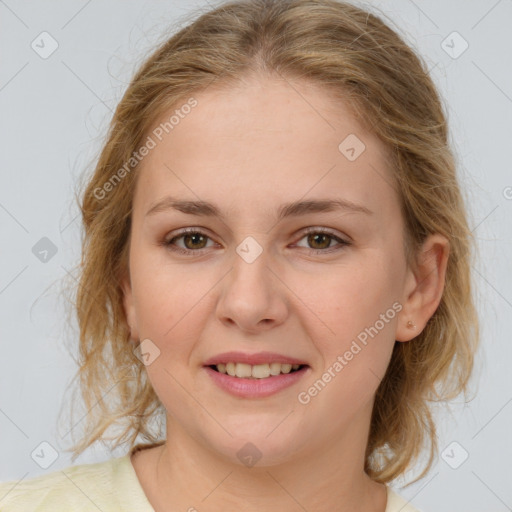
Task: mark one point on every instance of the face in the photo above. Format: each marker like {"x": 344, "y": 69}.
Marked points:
{"x": 316, "y": 287}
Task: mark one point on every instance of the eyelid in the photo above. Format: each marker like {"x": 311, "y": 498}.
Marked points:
{"x": 328, "y": 231}
{"x": 343, "y": 240}
{"x": 182, "y": 232}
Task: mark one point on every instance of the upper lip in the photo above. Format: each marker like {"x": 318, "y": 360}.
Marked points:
{"x": 252, "y": 359}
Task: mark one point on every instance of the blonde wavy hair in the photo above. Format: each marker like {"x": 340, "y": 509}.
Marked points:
{"x": 367, "y": 65}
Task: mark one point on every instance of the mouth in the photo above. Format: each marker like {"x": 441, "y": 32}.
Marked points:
{"x": 256, "y": 381}
{"x": 257, "y": 375}
{"x": 256, "y": 371}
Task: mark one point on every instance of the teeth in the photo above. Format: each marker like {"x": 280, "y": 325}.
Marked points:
{"x": 275, "y": 368}
{"x": 242, "y": 370}
{"x": 261, "y": 371}
{"x": 257, "y": 371}
{"x": 286, "y": 368}
{"x": 230, "y": 369}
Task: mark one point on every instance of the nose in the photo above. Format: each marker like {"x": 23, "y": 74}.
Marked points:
{"x": 252, "y": 296}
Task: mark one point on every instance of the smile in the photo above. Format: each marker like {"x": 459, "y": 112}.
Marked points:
{"x": 257, "y": 371}
{"x": 244, "y": 380}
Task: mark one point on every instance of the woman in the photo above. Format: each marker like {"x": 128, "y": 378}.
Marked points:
{"x": 276, "y": 258}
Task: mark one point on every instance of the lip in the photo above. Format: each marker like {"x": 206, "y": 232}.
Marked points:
{"x": 252, "y": 359}
{"x": 255, "y": 388}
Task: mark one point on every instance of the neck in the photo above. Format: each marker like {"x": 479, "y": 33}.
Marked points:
{"x": 184, "y": 474}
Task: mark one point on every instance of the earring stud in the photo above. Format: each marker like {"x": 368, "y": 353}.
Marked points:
{"x": 411, "y": 325}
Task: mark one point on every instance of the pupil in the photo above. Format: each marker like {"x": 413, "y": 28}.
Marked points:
{"x": 316, "y": 236}
{"x": 193, "y": 236}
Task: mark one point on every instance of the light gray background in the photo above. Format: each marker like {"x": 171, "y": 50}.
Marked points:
{"x": 54, "y": 113}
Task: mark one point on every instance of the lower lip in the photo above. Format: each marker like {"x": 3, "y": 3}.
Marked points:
{"x": 255, "y": 388}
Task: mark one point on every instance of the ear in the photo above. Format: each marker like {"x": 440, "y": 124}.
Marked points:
{"x": 423, "y": 287}
{"x": 129, "y": 306}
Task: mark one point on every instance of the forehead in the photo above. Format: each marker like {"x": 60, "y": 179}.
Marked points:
{"x": 260, "y": 142}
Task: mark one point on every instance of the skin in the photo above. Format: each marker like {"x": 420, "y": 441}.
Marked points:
{"x": 248, "y": 150}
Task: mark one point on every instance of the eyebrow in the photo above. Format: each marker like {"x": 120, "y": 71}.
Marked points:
{"x": 294, "y": 209}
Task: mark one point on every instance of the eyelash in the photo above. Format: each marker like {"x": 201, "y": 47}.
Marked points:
{"x": 193, "y": 231}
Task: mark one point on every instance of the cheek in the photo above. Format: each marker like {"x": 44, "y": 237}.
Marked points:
{"x": 360, "y": 307}
{"x": 355, "y": 358}
{"x": 167, "y": 294}
{"x": 173, "y": 304}
{"x": 354, "y": 298}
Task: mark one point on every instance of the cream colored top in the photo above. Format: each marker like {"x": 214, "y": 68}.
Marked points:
{"x": 110, "y": 486}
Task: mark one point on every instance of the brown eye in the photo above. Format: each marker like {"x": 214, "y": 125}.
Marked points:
{"x": 319, "y": 240}
{"x": 193, "y": 241}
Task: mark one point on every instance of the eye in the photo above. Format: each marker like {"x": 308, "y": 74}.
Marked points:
{"x": 195, "y": 240}
{"x": 320, "y": 239}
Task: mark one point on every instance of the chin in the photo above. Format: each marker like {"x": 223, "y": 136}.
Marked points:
{"x": 259, "y": 443}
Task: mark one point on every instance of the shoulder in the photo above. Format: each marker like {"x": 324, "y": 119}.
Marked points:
{"x": 76, "y": 488}
{"x": 398, "y": 504}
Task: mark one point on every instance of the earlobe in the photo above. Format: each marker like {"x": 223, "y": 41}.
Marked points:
{"x": 423, "y": 287}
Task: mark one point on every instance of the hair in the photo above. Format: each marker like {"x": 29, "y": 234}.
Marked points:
{"x": 354, "y": 55}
